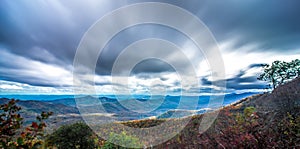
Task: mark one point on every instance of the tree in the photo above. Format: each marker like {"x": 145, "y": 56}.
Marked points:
{"x": 10, "y": 122}
{"x": 74, "y": 136}
{"x": 280, "y": 72}
{"x": 295, "y": 65}
{"x": 11, "y": 133}
{"x": 33, "y": 136}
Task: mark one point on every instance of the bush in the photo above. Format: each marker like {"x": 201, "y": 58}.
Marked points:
{"x": 289, "y": 132}
{"x": 252, "y": 130}
{"x": 122, "y": 139}
{"x": 74, "y": 136}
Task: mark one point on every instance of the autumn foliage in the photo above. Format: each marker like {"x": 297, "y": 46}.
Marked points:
{"x": 12, "y": 133}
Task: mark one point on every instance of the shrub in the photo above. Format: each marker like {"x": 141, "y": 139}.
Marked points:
{"x": 234, "y": 131}
{"x": 289, "y": 132}
{"x": 74, "y": 136}
{"x": 122, "y": 139}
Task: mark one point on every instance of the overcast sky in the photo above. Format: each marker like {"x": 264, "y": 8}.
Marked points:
{"x": 38, "y": 42}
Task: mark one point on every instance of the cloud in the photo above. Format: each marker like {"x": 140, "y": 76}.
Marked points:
{"x": 21, "y": 69}
{"x": 38, "y": 42}
{"x": 272, "y": 26}
{"x": 245, "y": 79}
{"x": 138, "y": 33}
{"x": 51, "y": 26}
{"x": 54, "y": 28}
{"x": 9, "y": 87}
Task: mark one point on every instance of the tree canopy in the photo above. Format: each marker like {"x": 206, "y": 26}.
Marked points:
{"x": 73, "y": 136}
{"x": 12, "y": 135}
{"x": 280, "y": 72}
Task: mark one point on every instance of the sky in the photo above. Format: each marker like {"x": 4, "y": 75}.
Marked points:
{"x": 38, "y": 43}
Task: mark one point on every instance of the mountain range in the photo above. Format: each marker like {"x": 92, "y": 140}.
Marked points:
{"x": 65, "y": 109}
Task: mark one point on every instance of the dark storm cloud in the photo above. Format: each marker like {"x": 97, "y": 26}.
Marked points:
{"x": 34, "y": 34}
{"x": 53, "y": 27}
{"x": 106, "y": 83}
{"x": 133, "y": 34}
{"x": 49, "y": 32}
{"x": 152, "y": 66}
{"x": 52, "y": 36}
{"x": 255, "y": 65}
{"x": 273, "y": 25}
{"x": 239, "y": 82}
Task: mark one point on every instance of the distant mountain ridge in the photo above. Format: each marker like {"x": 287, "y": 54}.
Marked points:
{"x": 65, "y": 109}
